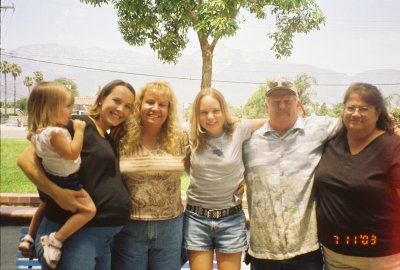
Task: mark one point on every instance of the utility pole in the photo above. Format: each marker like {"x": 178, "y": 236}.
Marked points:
{"x": 5, "y": 9}
{"x": 1, "y": 51}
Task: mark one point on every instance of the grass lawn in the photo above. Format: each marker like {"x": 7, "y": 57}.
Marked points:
{"x": 14, "y": 181}
{"x": 12, "y": 178}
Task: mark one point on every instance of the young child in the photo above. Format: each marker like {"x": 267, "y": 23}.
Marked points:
{"x": 49, "y": 111}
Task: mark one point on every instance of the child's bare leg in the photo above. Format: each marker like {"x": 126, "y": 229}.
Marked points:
{"x": 36, "y": 219}
{"x": 78, "y": 220}
{"x": 27, "y": 242}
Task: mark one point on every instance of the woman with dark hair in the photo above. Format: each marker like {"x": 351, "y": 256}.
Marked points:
{"x": 90, "y": 247}
{"x": 358, "y": 187}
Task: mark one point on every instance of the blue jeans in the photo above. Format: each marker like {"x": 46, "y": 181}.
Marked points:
{"x": 309, "y": 261}
{"x": 152, "y": 245}
{"x": 87, "y": 249}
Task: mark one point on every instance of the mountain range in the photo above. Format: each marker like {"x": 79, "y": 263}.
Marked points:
{"x": 237, "y": 73}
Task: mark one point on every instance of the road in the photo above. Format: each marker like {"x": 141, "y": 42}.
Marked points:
{"x": 7, "y": 132}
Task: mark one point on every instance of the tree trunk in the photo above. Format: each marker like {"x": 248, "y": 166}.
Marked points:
{"x": 206, "y": 73}
{"x": 15, "y": 95}
{"x": 207, "y": 52}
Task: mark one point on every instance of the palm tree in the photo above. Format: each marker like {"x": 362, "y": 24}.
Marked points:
{"x": 72, "y": 86}
{"x": 303, "y": 83}
{"x": 28, "y": 82}
{"x": 15, "y": 71}
{"x": 5, "y": 68}
{"x": 38, "y": 77}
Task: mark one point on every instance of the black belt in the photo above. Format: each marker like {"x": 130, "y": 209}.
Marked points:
{"x": 214, "y": 213}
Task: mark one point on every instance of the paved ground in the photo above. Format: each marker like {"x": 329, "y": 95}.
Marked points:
{"x": 9, "y": 235}
{"x": 7, "y": 132}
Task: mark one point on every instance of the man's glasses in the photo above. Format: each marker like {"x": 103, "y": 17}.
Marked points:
{"x": 353, "y": 109}
{"x": 285, "y": 84}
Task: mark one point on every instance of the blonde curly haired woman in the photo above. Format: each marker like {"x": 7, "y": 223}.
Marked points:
{"x": 152, "y": 161}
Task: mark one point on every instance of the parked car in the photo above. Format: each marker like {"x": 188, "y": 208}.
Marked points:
{"x": 13, "y": 123}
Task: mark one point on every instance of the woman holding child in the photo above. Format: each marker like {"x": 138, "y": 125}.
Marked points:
{"x": 89, "y": 247}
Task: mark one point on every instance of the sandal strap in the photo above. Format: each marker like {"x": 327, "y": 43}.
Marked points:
{"x": 28, "y": 238}
{"x": 52, "y": 241}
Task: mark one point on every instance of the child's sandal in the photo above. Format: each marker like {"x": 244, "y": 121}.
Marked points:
{"x": 26, "y": 246}
{"x": 51, "y": 250}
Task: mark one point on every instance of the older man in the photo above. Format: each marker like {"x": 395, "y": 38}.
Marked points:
{"x": 280, "y": 160}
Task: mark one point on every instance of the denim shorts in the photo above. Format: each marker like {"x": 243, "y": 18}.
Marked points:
{"x": 225, "y": 235}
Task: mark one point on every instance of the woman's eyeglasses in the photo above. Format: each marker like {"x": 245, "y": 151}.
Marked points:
{"x": 353, "y": 109}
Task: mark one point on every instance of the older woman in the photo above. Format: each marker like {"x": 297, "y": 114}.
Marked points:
{"x": 153, "y": 152}
{"x": 358, "y": 187}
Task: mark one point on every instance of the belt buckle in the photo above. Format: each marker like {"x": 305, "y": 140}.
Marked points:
{"x": 215, "y": 214}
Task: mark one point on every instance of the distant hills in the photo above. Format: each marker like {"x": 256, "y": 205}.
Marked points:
{"x": 241, "y": 71}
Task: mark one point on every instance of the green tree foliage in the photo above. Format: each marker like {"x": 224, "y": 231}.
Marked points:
{"x": 321, "y": 109}
{"x": 37, "y": 77}
{"x": 395, "y": 113}
{"x": 22, "y": 104}
{"x": 337, "y": 110}
{"x": 15, "y": 71}
{"x": 303, "y": 83}
{"x": 5, "y": 68}
{"x": 392, "y": 100}
{"x": 70, "y": 84}
{"x": 164, "y": 25}
{"x": 255, "y": 106}
{"x": 28, "y": 82}
{"x": 236, "y": 111}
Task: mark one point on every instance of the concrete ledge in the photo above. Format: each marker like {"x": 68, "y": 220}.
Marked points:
{"x": 16, "y": 215}
{"x": 18, "y": 208}
{"x": 19, "y": 199}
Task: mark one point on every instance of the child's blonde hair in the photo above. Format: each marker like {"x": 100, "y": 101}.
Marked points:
{"x": 197, "y": 133}
{"x": 44, "y": 104}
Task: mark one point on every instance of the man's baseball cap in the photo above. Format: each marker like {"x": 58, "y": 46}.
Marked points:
{"x": 281, "y": 85}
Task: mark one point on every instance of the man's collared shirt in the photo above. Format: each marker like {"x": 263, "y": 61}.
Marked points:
{"x": 279, "y": 177}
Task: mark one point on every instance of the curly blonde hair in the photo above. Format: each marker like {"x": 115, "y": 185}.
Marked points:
{"x": 170, "y": 135}
{"x": 197, "y": 133}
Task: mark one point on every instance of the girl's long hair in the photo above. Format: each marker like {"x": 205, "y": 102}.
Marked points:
{"x": 44, "y": 104}
{"x": 197, "y": 134}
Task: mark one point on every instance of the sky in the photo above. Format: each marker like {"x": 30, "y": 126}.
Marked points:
{"x": 358, "y": 35}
